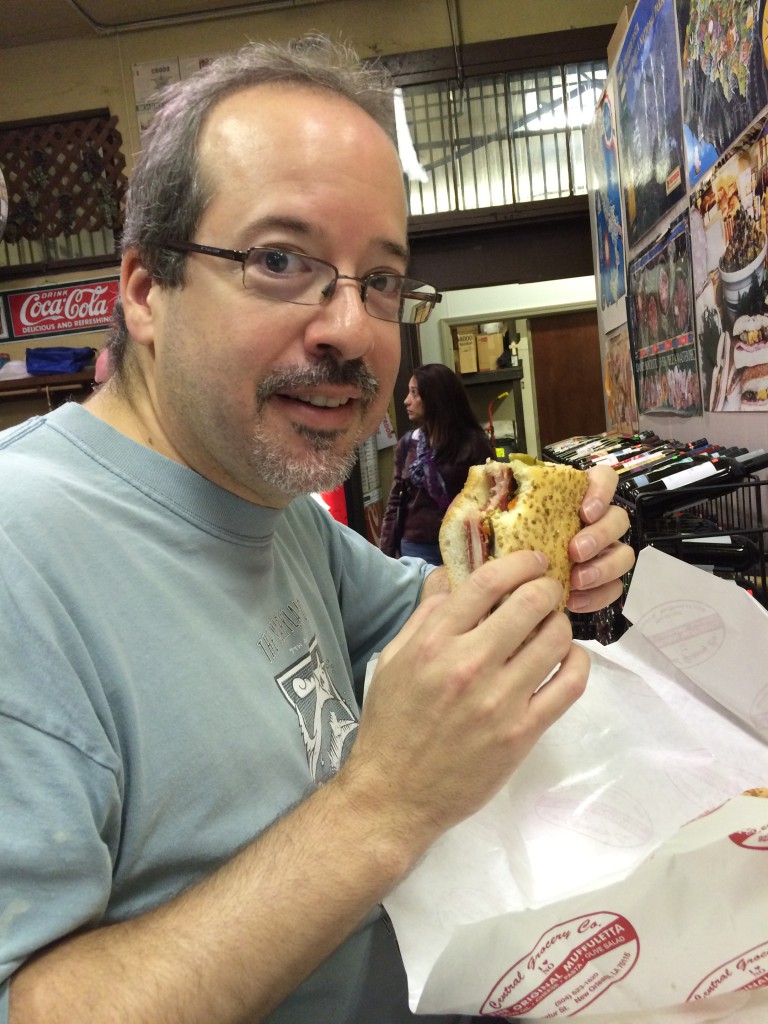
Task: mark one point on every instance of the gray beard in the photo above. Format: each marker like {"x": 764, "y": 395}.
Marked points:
{"x": 324, "y": 471}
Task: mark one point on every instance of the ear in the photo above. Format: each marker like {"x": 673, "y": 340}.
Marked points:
{"x": 135, "y": 288}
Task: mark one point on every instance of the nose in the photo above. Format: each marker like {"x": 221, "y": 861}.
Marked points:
{"x": 342, "y": 323}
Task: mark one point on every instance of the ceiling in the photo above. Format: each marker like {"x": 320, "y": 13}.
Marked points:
{"x": 23, "y": 22}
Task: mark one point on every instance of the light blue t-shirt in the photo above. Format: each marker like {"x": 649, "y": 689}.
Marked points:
{"x": 178, "y": 669}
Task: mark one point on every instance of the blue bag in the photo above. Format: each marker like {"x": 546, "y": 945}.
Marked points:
{"x": 42, "y": 361}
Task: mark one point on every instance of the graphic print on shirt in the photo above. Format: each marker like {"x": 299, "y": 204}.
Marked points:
{"x": 326, "y": 722}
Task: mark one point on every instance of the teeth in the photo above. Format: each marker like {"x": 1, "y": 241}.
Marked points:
{"x": 324, "y": 403}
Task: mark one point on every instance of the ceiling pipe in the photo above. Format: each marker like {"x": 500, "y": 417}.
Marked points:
{"x": 253, "y": 7}
{"x": 453, "y": 20}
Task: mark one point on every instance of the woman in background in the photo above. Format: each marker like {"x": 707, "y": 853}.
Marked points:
{"x": 431, "y": 462}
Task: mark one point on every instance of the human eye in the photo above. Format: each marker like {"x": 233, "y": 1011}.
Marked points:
{"x": 283, "y": 274}
{"x": 387, "y": 285}
{"x": 277, "y": 262}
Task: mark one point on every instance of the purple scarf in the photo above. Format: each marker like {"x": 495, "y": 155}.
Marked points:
{"x": 424, "y": 473}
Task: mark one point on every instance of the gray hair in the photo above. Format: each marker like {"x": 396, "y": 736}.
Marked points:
{"x": 168, "y": 193}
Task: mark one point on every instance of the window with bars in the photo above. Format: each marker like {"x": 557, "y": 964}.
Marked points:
{"x": 498, "y": 140}
{"x": 66, "y": 183}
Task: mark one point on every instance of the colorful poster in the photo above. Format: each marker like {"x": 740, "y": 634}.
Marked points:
{"x": 725, "y": 84}
{"x": 650, "y": 117}
{"x": 729, "y": 228}
{"x": 661, "y": 324}
{"x": 607, "y": 217}
{"x": 73, "y": 308}
{"x": 621, "y": 401}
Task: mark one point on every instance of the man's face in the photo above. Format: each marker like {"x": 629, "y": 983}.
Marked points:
{"x": 267, "y": 398}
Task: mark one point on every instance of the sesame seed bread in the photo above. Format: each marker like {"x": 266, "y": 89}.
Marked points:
{"x": 540, "y": 511}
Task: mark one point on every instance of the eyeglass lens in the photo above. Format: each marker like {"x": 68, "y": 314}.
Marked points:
{"x": 294, "y": 277}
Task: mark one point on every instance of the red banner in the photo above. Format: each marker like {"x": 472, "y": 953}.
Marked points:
{"x": 70, "y": 309}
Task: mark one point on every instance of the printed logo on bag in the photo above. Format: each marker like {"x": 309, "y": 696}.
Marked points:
{"x": 687, "y": 632}
{"x": 616, "y": 819}
{"x": 570, "y": 966}
{"x": 704, "y": 784}
{"x": 751, "y": 839}
{"x": 746, "y": 971}
{"x": 73, "y": 309}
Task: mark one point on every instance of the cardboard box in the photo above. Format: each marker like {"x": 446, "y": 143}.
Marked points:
{"x": 467, "y": 345}
{"x": 617, "y": 39}
{"x": 489, "y": 348}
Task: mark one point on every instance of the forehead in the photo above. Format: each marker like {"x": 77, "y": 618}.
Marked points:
{"x": 301, "y": 151}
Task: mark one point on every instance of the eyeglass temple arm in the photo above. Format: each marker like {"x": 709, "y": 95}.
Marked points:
{"x": 208, "y": 250}
{"x": 437, "y": 297}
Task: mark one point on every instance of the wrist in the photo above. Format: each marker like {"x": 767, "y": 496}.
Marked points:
{"x": 391, "y": 838}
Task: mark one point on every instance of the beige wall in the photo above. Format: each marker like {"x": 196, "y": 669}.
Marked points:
{"x": 82, "y": 74}
{"x": 37, "y": 81}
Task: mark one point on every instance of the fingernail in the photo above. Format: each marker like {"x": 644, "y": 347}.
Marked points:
{"x": 593, "y": 510}
{"x": 586, "y": 577}
{"x": 586, "y": 546}
{"x": 543, "y": 560}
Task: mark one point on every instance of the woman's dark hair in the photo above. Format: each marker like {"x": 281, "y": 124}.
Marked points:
{"x": 448, "y": 418}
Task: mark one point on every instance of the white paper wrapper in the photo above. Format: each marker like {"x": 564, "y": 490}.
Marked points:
{"x": 710, "y": 629}
{"x": 616, "y": 876}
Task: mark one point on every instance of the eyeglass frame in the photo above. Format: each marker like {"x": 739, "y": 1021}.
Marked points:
{"x": 242, "y": 255}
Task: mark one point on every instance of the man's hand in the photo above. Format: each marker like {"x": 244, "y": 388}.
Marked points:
{"x": 597, "y": 549}
{"x": 457, "y": 702}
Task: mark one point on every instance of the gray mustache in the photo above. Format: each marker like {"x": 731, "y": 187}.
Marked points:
{"x": 328, "y": 371}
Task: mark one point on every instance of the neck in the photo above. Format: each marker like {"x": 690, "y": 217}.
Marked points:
{"x": 131, "y": 414}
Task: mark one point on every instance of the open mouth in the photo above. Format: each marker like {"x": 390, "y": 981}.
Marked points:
{"x": 320, "y": 401}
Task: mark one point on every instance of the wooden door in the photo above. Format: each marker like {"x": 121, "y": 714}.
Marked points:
{"x": 568, "y": 375}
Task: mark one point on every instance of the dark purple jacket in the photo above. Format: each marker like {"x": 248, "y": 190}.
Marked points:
{"x": 422, "y": 516}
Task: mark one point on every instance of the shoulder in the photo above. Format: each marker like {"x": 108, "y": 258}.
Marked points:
{"x": 404, "y": 444}
{"x": 33, "y": 473}
{"x": 481, "y": 446}
{"x": 328, "y": 545}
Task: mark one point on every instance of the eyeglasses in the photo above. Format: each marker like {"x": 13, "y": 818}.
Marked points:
{"x": 306, "y": 281}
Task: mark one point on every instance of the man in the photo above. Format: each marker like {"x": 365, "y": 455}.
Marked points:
{"x": 192, "y": 826}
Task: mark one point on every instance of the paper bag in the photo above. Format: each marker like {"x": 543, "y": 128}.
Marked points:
{"x": 619, "y": 875}
{"x": 711, "y": 629}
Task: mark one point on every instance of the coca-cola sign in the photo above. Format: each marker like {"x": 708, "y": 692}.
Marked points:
{"x": 71, "y": 309}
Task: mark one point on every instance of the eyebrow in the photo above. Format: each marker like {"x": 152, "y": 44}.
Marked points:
{"x": 301, "y": 227}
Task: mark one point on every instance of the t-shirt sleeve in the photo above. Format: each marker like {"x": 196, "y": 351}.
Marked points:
{"x": 60, "y": 799}
{"x": 56, "y": 807}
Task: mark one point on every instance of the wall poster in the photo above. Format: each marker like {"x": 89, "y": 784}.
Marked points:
{"x": 605, "y": 208}
{"x": 4, "y": 332}
{"x": 152, "y": 76}
{"x": 661, "y": 323}
{"x": 76, "y": 307}
{"x": 621, "y": 401}
{"x": 650, "y": 117}
{"x": 373, "y": 508}
{"x": 725, "y": 84}
{"x": 729, "y": 228}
